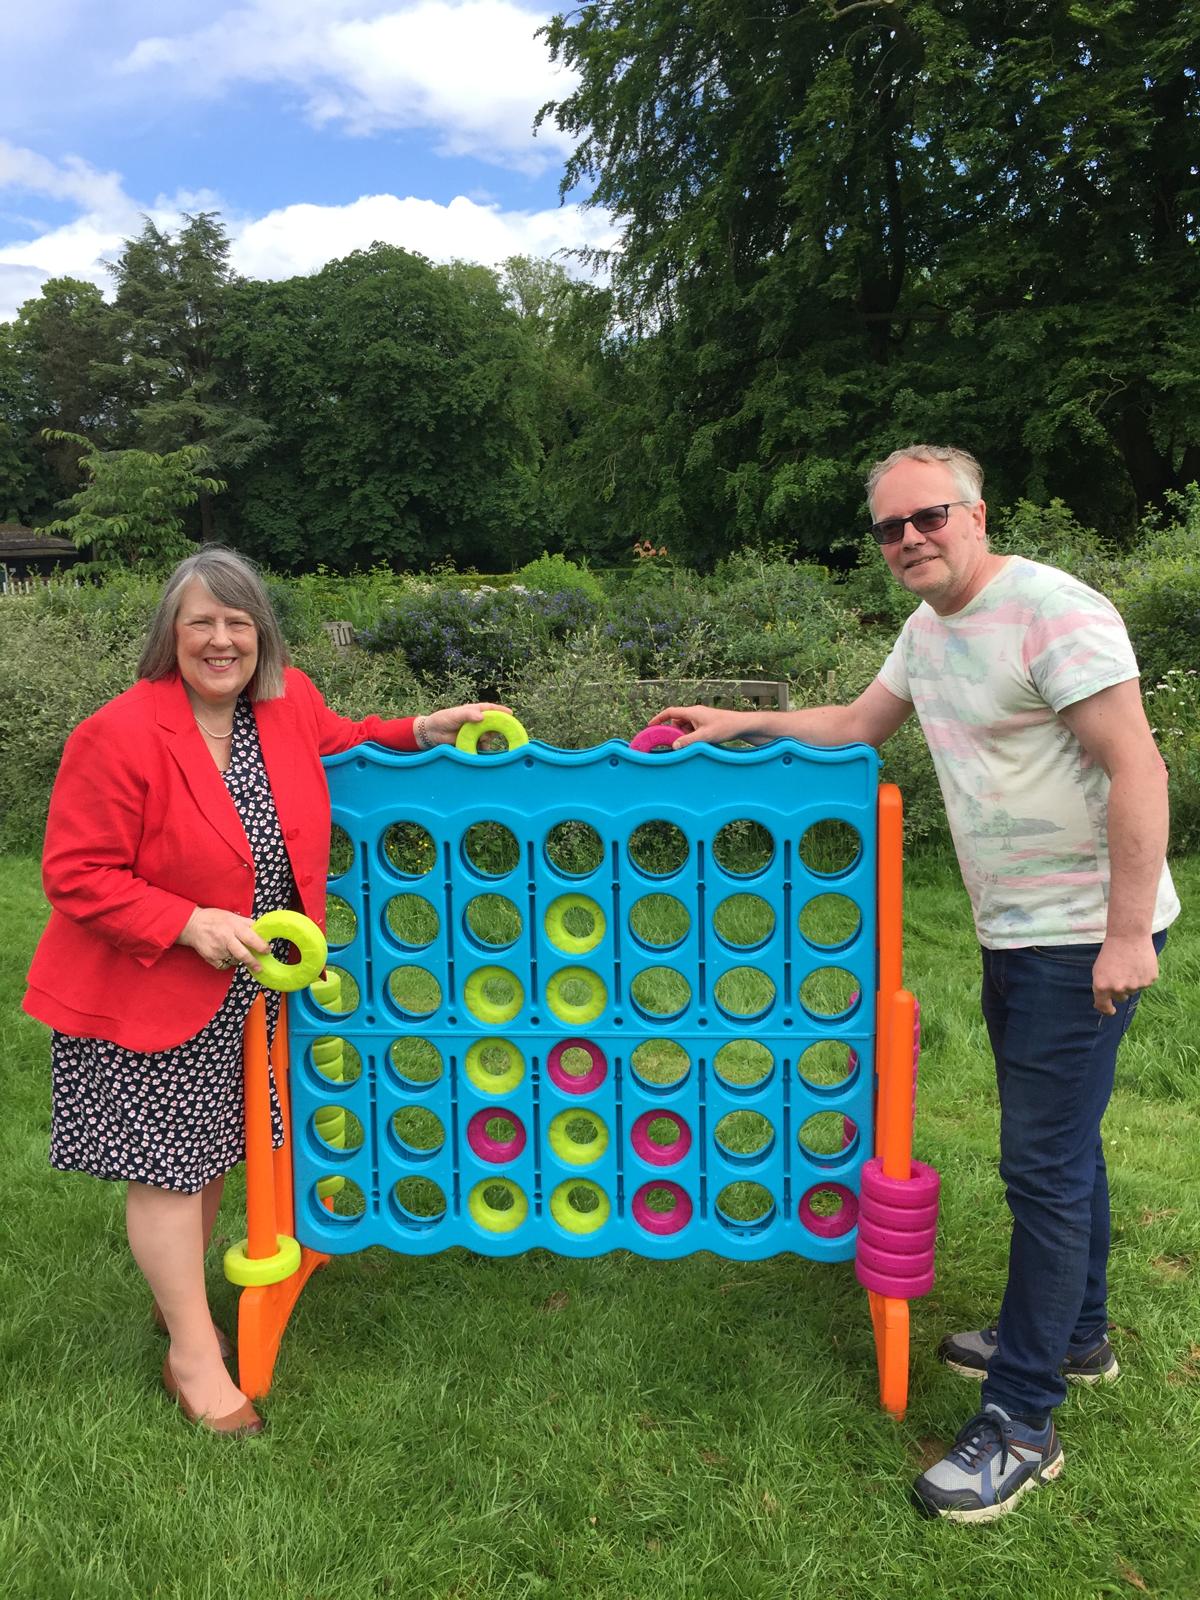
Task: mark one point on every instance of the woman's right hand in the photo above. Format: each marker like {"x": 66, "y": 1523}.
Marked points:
{"x": 705, "y": 724}
{"x": 222, "y": 938}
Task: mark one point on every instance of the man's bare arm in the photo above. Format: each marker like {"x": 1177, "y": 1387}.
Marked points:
{"x": 870, "y": 719}
{"x": 1111, "y": 726}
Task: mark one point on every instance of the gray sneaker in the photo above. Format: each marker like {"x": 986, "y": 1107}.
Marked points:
{"x": 992, "y": 1462}
{"x": 970, "y": 1353}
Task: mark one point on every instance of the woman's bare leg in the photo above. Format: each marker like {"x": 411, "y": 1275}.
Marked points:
{"x": 210, "y": 1204}
{"x": 166, "y": 1235}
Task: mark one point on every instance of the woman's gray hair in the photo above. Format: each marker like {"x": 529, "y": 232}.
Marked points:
{"x": 968, "y": 474}
{"x": 232, "y": 581}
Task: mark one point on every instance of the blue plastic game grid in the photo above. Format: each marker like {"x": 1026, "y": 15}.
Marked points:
{"x": 787, "y": 788}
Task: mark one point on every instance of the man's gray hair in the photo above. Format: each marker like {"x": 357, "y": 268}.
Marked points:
{"x": 968, "y": 474}
{"x": 232, "y": 581}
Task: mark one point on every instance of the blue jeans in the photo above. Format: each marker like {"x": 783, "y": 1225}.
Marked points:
{"x": 1055, "y": 1060}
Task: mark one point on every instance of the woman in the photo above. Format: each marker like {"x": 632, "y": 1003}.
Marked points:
{"x": 184, "y": 809}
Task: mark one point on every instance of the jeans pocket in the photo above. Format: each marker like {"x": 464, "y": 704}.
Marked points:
{"x": 1067, "y": 955}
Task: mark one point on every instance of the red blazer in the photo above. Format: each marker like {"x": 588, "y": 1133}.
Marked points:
{"x": 142, "y": 830}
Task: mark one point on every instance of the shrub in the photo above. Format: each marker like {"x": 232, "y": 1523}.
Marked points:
{"x": 1173, "y": 706}
{"x": 552, "y": 574}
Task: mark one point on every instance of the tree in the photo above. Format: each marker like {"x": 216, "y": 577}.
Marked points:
{"x": 131, "y": 507}
{"x": 172, "y": 298}
{"x": 393, "y": 391}
{"x": 845, "y": 226}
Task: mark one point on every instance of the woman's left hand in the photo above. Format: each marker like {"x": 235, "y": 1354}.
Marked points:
{"x": 441, "y": 727}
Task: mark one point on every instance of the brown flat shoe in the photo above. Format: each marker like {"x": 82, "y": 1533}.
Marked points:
{"x": 243, "y": 1423}
{"x": 223, "y": 1344}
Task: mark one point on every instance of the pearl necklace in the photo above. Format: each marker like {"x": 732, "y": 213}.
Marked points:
{"x": 209, "y": 731}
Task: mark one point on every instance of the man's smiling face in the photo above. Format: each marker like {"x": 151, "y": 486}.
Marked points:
{"x": 950, "y": 566}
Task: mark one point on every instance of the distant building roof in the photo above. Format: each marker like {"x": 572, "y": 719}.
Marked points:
{"x": 19, "y": 543}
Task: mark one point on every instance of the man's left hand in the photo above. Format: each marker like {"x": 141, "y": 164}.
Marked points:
{"x": 1124, "y": 967}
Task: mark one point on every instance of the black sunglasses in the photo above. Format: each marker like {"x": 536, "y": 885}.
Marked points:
{"x": 928, "y": 520}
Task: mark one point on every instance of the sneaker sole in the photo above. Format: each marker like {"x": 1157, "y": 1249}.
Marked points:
{"x": 1045, "y": 1474}
{"x": 1104, "y": 1375}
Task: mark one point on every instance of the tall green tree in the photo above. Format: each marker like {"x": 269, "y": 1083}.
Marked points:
{"x": 172, "y": 297}
{"x": 849, "y": 224}
{"x": 392, "y": 388}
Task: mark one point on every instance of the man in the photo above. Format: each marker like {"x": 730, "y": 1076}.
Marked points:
{"x": 1026, "y": 690}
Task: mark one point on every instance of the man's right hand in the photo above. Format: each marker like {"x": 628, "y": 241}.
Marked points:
{"x": 706, "y": 724}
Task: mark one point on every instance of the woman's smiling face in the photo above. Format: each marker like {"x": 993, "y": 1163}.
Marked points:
{"x": 216, "y": 648}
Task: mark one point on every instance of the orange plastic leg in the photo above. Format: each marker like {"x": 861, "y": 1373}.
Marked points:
{"x": 262, "y": 1317}
{"x": 890, "y": 1320}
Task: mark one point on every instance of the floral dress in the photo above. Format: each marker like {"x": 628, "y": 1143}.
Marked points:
{"x": 175, "y": 1118}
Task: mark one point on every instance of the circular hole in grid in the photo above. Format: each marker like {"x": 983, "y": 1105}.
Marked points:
{"x": 341, "y": 851}
{"x": 409, "y": 850}
{"x": 745, "y": 1207}
{"x": 578, "y": 1138}
{"x": 419, "y": 1201}
{"x": 341, "y": 921}
{"x": 490, "y": 849}
{"x": 660, "y": 1063}
{"x": 659, "y": 849}
{"x": 347, "y": 1001}
{"x": 661, "y": 992}
{"x": 744, "y": 993}
{"x": 416, "y": 1062}
{"x": 574, "y": 848}
{"x": 498, "y": 1205}
{"x": 662, "y": 1131}
{"x": 659, "y": 921}
{"x": 744, "y": 1064}
{"x": 415, "y": 991}
{"x": 349, "y": 1203}
{"x": 660, "y": 1198}
{"x": 830, "y": 921}
{"x": 830, "y": 847}
{"x": 336, "y": 1059}
{"x": 500, "y": 1129}
{"x": 583, "y": 1198}
{"x": 829, "y": 992}
{"x": 419, "y": 1130}
{"x": 743, "y": 848}
{"x": 580, "y": 1206}
{"x": 337, "y": 1129}
{"x": 581, "y": 1130}
{"x": 412, "y": 920}
{"x": 824, "y": 1136}
{"x": 575, "y": 1061}
{"x": 827, "y": 1064}
{"x": 493, "y": 920}
{"x": 744, "y": 1135}
{"x": 826, "y": 1202}
{"x": 744, "y": 921}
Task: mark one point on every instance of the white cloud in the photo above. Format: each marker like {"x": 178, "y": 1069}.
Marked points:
{"x": 470, "y": 70}
{"x": 301, "y": 238}
{"x": 293, "y": 239}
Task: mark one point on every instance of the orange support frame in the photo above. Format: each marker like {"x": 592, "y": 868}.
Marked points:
{"x": 894, "y": 1024}
{"x": 263, "y": 1311}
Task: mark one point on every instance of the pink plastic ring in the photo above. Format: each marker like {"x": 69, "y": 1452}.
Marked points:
{"x": 495, "y": 1150}
{"x": 894, "y": 1288}
{"x": 900, "y": 1265}
{"x": 591, "y": 1079}
{"x": 920, "y": 1189}
{"x": 670, "y": 1221}
{"x": 896, "y": 1219}
{"x": 840, "y": 1222}
{"x": 655, "y": 737}
{"x": 661, "y": 1155}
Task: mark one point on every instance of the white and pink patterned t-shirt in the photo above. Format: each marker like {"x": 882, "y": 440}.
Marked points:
{"x": 1028, "y": 807}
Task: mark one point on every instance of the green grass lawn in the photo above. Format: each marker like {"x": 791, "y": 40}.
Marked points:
{"x": 463, "y": 1427}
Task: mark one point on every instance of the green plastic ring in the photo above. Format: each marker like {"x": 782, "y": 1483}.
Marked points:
{"x": 488, "y": 1010}
{"x": 308, "y": 939}
{"x": 468, "y": 735}
{"x": 568, "y": 1149}
{"x": 240, "y": 1269}
{"x": 495, "y": 1082}
{"x": 327, "y": 1051}
{"x": 491, "y": 1219}
{"x": 327, "y": 1187}
{"x": 327, "y": 991}
{"x": 559, "y": 935}
{"x": 330, "y": 1125}
{"x": 572, "y": 1221}
{"x": 568, "y": 1011}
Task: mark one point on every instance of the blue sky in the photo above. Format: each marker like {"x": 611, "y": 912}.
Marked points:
{"x": 313, "y": 127}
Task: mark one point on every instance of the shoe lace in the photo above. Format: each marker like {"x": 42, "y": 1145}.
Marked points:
{"x": 978, "y": 1438}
